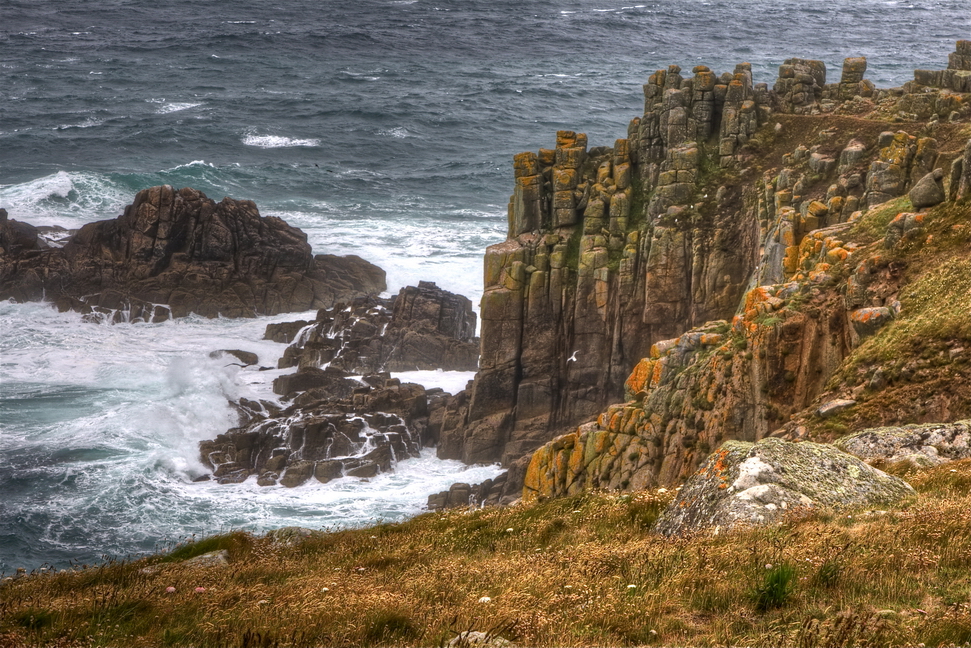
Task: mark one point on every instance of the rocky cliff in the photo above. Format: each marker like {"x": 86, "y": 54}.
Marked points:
{"x": 736, "y": 249}
{"x": 175, "y": 252}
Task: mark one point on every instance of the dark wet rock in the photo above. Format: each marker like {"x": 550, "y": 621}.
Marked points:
{"x": 246, "y": 358}
{"x": 324, "y": 435}
{"x": 331, "y": 381}
{"x": 175, "y": 252}
{"x": 423, "y": 327}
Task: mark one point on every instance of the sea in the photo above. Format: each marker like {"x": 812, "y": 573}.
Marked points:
{"x": 382, "y": 128}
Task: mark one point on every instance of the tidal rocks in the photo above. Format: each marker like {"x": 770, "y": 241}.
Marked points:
{"x": 423, "y": 327}
{"x": 755, "y": 484}
{"x": 175, "y": 252}
{"x": 324, "y": 436}
{"x": 925, "y": 445}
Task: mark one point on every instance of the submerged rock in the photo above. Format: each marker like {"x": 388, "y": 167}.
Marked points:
{"x": 756, "y": 484}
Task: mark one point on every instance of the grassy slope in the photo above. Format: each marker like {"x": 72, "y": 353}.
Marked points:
{"x": 585, "y": 570}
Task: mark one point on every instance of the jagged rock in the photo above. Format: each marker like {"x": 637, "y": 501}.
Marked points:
{"x": 929, "y": 444}
{"x": 331, "y": 381}
{"x": 423, "y": 327}
{"x": 905, "y": 225}
{"x": 17, "y": 237}
{"x": 756, "y": 484}
{"x": 929, "y": 190}
{"x": 867, "y": 321}
{"x": 175, "y": 252}
{"x": 961, "y": 175}
{"x": 324, "y": 434}
{"x": 297, "y": 473}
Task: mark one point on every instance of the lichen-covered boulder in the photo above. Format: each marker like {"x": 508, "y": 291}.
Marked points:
{"x": 925, "y": 445}
{"x": 756, "y": 484}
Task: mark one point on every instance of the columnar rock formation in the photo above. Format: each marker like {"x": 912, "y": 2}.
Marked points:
{"x": 174, "y": 252}
{"x": 696, "y": 223}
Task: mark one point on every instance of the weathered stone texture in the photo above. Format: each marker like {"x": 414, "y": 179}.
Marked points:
{"x": 175, "y": 252}
{"x": 756, "y": 484}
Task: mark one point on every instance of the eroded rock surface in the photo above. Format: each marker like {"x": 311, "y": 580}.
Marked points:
{"x": 423, "y": 327}
{"x": 755, "y": 484}
{"x": 611, "y": 250}
{"x": 929, "y": 444}
{"x": 175, "y": 252}
{"x": 324, "y": 435}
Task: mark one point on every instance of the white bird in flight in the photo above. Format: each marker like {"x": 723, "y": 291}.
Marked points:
{"x": 573, "y": 358}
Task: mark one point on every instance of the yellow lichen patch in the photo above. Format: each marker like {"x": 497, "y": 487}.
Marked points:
{"x": 639, "y": 377}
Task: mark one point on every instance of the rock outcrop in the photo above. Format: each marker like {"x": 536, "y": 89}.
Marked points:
{"x": 175, "y": 252}
{"x": 325, "y": 434}
{"x": 930, "y": 444}
{"x": 339, "y": 426}
{"x": 422, "y": 327}
{"x": 836, "y": 240}
{"x": 613, "y": 250}
{"x": 755, "y": 484}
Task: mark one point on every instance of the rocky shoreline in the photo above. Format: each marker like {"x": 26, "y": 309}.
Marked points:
{"x": 715, "y": 279}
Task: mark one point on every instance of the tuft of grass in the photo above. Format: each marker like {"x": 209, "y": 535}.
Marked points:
{"x": 873, "y": 224}
{"x": 776, "y": 587}
{"x": 236, "y": 543}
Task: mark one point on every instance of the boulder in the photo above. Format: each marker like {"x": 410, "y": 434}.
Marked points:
{"x": 925, "y": 445}
{"x": 929, "y": 190}
{"x": 175, "y": 252}
{"x": 757, "y": 484}
{"x": 297, "y": 473}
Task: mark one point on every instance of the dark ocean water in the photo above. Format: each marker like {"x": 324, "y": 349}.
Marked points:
{"x": 382, "y": 128}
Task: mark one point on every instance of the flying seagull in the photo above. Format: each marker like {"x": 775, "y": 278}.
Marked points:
{"x": 573, "y": 358}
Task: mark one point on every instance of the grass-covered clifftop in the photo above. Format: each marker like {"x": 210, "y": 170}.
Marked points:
{"x": 577, "y": 571}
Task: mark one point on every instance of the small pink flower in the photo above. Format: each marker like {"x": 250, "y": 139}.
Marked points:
{"x": 200, "y": 590}
{"x": 170, "y": 590}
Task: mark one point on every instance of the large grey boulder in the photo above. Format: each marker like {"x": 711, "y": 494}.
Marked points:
{"x": 924, "y": 445}
{"x": 756, "y": 484}
{"x": 929, "y": 190}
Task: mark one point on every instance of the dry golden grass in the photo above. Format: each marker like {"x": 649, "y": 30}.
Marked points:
{"x": 585, "y": 570}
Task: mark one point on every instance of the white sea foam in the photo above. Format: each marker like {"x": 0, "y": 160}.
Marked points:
{"x": 114, "y": 415}
{"x": 277, "y": 141}
{"x": 408, "y": 250}
{"x": 67, "y": 199}
{"x": 194, "y": 163}
{"x": 176, "y": 107}
{"x": 399, "y": 132}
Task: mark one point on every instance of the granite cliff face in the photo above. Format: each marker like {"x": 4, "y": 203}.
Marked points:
{"x": 735, "y": 249}
{"x": 175, "y": 252}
